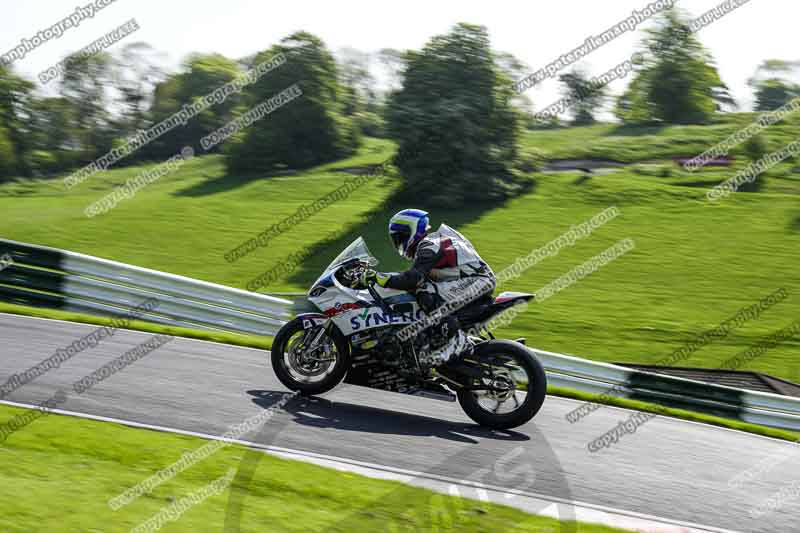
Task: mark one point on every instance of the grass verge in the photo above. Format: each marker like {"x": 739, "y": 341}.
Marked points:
{"x": 58, "y": 474}
{"x": 236, "y": 339}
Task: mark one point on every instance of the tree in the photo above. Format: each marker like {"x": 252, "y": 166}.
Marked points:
{"x": 355, "y": 74}
{"x": 771, "y": 86}
{"x": 587, "y": 96}
{"x": 774, "y": 93}
{"x": 54, "y": 139}
{"x": 136, "y": 72}
{"x": 677, "y": 82}
{"x": 514, "y": 68}
{"x": 309, "y": 130}
{"x": 363, "y": 99}
{"x": 8, "y": 156}
{"x": 454, "y": 122}
{"x": 202, "y": 74}
{"x": 85, "y": 86}
{"x": 16, "y": 95}
{"x": 394, "y": 63}
{"x": 755, "y": 148}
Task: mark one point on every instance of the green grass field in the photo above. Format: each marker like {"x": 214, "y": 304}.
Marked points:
{"x": 58, "y": 461}
{"x": 632, "y": 144}
{"x": 694, "y": 264}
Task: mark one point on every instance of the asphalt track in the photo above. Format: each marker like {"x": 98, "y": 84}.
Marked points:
{"x": 669, "y": 468}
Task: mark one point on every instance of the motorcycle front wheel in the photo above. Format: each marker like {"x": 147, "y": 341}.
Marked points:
{"x": 512, "y": 387}
{"x": 311, "y": 361}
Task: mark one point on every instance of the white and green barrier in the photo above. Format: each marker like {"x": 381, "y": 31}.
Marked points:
{"x": 608, "y": 380}
{"x": 46, "y": 277}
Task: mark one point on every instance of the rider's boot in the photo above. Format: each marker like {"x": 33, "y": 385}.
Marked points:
{"x": 455, "y": 349}
{"x": 456, "y": 368}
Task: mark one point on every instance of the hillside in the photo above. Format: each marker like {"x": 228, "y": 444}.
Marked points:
{"x": 694, "y": 264}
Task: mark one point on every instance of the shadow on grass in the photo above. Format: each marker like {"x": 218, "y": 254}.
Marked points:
{"x": 796, "y": 224}
{"x": 753, "y": 187}
{"x": 583, "y": 178}
{"x": 356, "y": 171}
{"x": 374, "y": 228}
{"x": 630, "y": 130}
{"x": 702, "y": 184}
{"x": 228, "y": 182}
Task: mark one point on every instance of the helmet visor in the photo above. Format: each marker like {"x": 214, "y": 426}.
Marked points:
{"x": 400, "y": 240}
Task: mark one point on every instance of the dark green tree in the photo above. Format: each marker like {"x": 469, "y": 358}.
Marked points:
{"x": 774, "y": 93}
{"x": 8, "y": 156}
{"x": 16, "y": 95}
{"x": 309, "y": 130}
{"x": 755, "y": 148}
{"x": 677, "y": 82}
{"x": 53, "y": 136}
{"x": 202, "y": 75}
{"x": 454, "y": 122}
{"x": 772, "y": 87}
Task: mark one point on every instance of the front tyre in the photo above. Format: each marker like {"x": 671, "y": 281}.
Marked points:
{"x": 311, "y": 361}
{"x": 511, "y": 390}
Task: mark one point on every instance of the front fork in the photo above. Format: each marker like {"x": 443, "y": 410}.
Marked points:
{"x": 313, "y": 336}
{"x": 315, "y": 329}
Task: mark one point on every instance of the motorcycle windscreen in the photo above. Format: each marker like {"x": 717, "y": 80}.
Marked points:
{"x": 357, "y": 250}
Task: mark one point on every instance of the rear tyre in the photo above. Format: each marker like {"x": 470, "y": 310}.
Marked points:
{"x": 311, "y": 371}
{"x": 519, "y": 380}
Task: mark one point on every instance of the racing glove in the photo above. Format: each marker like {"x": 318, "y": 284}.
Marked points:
{"x": 370, "y": 275}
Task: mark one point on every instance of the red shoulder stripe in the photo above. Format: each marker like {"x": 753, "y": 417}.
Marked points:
{"x": 449, "y": 256}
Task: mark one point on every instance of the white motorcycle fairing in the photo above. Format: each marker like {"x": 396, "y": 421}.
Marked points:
{"x": 354, "y": 310}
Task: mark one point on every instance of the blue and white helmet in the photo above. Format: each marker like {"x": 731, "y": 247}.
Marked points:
{"x": 406, "y": 229}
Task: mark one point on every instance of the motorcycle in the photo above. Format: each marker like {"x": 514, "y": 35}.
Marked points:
{"x": 374, "y": 337}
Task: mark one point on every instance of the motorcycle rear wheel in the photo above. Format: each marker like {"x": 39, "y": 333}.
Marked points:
{"x": 512, "y": 368}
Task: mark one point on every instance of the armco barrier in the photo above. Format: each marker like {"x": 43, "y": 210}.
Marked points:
{"x": 615, "y": 381}
{"x": 47, "y": 277}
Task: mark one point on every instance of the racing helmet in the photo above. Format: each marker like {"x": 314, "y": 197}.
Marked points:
{"x": 406, "y": 229}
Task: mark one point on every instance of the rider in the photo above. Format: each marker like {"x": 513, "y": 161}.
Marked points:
{"x": 447, "y": 271}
